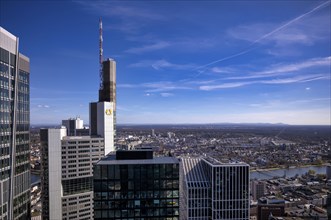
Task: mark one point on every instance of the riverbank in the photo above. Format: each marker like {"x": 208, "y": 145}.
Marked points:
{"x": 288, "y": 173}
{"x": 286, "y": 168}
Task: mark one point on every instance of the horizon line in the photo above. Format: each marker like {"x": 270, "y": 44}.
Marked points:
{"x": 215, "y": 123}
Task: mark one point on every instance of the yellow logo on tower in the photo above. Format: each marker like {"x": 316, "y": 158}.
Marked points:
{"x": 108, "y": 111}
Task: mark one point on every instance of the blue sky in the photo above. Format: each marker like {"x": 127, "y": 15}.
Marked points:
{"x": 179, "y": 61}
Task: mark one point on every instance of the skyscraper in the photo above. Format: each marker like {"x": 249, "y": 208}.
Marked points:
{"x": 68, "y": 159}
{"x": 66, "y": 181}
{"x": 14, "y": 129}
{"x": 72, "y": 124}
{"x": 103, "y": 112}
{"x": 136, "y": 185}
{"x": 258, "y": 189}
{"x": 270, "y": 207}
{"x": 211, "y": 189}
{"x": 107, "y": 93}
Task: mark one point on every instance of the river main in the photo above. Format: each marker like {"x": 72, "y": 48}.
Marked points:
{"x": 261, "y": 175}
{"x": 291, "y": 172}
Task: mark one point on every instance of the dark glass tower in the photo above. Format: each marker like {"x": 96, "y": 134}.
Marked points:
{"x": 14, "y": 129}
{"x": 134, "y": 185}
{"x": 108, "y": 91}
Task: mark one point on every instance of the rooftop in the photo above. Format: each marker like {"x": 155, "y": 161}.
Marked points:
{"x": 80, "y": 137}
{"x": 215, "y": 162}
{"x": 194, "y": 173}
{"x": 113, "y": 159}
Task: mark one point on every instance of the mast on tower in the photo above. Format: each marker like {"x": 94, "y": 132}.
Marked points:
{"x": 100, "y": 53}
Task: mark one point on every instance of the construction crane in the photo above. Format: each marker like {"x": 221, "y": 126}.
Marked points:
{"x": 100, "y": 53}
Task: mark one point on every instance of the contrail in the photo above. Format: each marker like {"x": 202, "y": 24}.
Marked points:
{"x": 290, "y": 22}
{"x": 265, "y": 36}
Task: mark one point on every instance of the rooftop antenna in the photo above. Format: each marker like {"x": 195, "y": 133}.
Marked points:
{"x": 100, "y": 53}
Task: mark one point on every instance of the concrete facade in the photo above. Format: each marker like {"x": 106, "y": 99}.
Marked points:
{"x": 258, "y": 189}
{"x": 72, "y": 124}
{"x": 102, "y": 123}
{"x": 67, "y": 167}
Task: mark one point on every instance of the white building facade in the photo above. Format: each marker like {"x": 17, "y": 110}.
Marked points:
{"x": 214, "y": 190}
{"x": 67, "y": 168}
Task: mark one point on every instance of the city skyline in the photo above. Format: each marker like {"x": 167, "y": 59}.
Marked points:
{"x": 179, "y": 62}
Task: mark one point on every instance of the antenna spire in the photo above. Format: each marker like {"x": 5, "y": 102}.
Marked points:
{"x": 100, "y": 53}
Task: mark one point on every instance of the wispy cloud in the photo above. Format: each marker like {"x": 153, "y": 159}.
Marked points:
{"x": 121, "y": 108}
{"x": 224, "y": 86}
{"x": 276, "y": 104}
{"x": 118, "y": 9}
{"x": 301, "y": 33}
{"x": 296, "y": 79}
{"x": 281, "y": 69}
{"x": 289, "y": 35}
{"x": 163, "y": 86}
{"x": 43, "y": 106}
{"x": 152, "y": 87}
{"x": 222, "y": 70}
{"x": 162, "y": 64}
{"x": 199, "y": 82}
{"x": 129, "y": 18}
{"x": 148, "y": 48}
{"x": 315, "y": 62}
{"x": 312, "y": 100}
{"x": 166, "y": 94}
{"x": 182, "y": 44}
{"x": 270, "y": 34}
{"x": 127, "y": 85}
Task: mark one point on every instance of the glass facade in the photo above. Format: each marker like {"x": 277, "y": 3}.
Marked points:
{"x": 136, "y": 191}
{"x": 14, "y": 130}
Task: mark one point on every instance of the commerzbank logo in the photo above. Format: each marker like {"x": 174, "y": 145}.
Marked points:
{"x": 108, "y": 111}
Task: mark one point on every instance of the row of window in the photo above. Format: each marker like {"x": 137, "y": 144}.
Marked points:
{"x": 137, "y": 184}
{"x": 79, "y": 185}
{"x": 144, "y": 203}
{"x": 137, "y": 171}
{"x": 118, "y": 214}
{"x": 135, "y": 194}
{"x": 85, "y": 142}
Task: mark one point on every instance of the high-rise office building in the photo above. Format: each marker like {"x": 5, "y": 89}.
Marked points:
{"x": 328, "y": 171}
{"x": 68, "y": 158}
{"x": 107, "y": 92}
{"x": 67, "y": 173}
{"x": 211, "y": 189}
{"x": 258, "y": 189}
{"x": 72, "y": 124}
{"x": 14, "y": 129}
{"x": 103, "y": 112}
{"x": 270, "y": 207}
{"x": 102, "y": 123}
{"x": 135, "y": 185}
